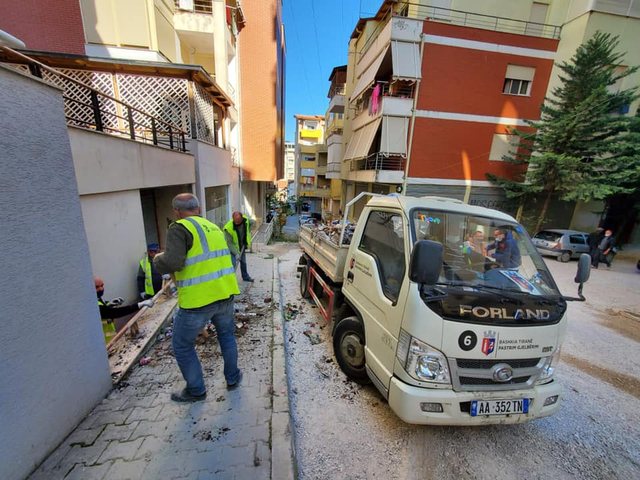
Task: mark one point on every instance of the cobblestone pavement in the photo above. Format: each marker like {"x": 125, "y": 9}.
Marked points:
{"x": 138, "y": 432}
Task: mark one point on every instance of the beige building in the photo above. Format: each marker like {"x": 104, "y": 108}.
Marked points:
{"x": 312, "y": 185}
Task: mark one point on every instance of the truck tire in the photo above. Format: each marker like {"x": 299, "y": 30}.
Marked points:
{"x": 304, "y": 277}
{"x": 564, "y": 257}
{"x": 348, "y": 346}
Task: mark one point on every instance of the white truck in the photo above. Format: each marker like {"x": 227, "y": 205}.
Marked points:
{"x": 447, "y": 308}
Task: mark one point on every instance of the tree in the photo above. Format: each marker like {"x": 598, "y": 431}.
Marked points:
{"x": 574, "y": 150}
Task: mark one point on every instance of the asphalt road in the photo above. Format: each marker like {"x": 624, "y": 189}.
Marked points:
{"x": 346, "y": 431}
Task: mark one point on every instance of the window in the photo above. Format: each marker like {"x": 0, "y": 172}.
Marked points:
{"x": 311, "y": 125}
{"x": 383, "y": 239}
{"x": 502, "y": 145}
{"x": 518, "y": 80}
{"x": 577, "y": 239}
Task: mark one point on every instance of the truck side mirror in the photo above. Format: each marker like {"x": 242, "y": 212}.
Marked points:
{"x": 584, "y": 269}
{"x": 426, "y": 262}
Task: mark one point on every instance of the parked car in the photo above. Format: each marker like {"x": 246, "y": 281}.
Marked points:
{"x": 562, "y": 244}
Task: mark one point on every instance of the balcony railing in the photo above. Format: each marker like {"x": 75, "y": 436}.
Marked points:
{"x": 196, "y": 6}
{"x": 88, "y": 108}
{"x": 378, "y": 161}
{"x": 336, "y": 89}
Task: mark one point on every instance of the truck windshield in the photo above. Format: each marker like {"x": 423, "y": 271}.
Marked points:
{"x": 485, "y": 254}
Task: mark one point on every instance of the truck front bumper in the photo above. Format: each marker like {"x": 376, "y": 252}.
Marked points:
{"x": 405, "y": 400}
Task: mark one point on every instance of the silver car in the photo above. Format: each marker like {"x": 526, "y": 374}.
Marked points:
{"x": 562, "y": 244}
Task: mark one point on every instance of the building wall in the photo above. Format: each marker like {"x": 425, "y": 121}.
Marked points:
{"x": 53, "y": 361}
{"x": 261, "y": 59}
{"x": 115, "y": 232}
{"x": 55, "y": 27}
{"x": 105, "y": 163}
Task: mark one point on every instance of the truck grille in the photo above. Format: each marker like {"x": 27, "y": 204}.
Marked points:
{"x": 477, "y": 375}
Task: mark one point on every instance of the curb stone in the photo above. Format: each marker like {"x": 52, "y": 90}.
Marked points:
{"x": 282, "y": 435}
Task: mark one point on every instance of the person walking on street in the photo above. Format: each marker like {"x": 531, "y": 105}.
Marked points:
{"x": 148, "y": 279}
{"x": 114, "y": 309}
{"x": 593, "y": 241}
{"x": 198, "y": 256}
{"x": 238, "y": 235}
{"x": 603, "y": 250}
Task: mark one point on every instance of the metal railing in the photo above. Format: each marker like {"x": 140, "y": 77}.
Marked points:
{"x": 196, "y": 6}
{"x": 91, "y": 114}
{"x": 468, "y": 19}
{"x": 337, "y": 89}
{"x": 378, "y": 161}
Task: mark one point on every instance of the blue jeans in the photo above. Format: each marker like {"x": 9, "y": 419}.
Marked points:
{"x": 187, "y": 324}
{"x": 243, "y": 265}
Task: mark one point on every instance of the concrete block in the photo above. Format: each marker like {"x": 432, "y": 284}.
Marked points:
{"x": 122, "y": 470}
{"x": 140, "y": 413}
{"x": 118, "y": 432}
{"x": 123, "y": 450}
{"x": 94, "y": 472}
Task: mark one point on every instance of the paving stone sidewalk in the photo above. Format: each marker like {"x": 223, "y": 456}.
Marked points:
{"x": 137, "y": 432}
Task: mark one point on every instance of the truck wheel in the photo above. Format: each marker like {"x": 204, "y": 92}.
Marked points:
{"x": 348, "y": 345}
{"x": 304, "y": 276}
{"x": 565, "y": 257}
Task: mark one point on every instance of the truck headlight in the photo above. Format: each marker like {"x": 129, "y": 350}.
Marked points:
{"x": 549, "y": 367}
{"x": 422, "y": 361}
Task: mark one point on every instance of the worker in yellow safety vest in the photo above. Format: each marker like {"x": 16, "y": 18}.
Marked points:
{"x": 238, "y": 234}
{"x": 109, "y": 310}
{"x": 148, "y": 279}
{"x": 197, "y": 254}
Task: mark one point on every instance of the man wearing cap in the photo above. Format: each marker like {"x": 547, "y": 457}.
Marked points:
{"x": 149, "y": 280}
{"x": 198, "y": 256}
{"x": 238, "y": 234}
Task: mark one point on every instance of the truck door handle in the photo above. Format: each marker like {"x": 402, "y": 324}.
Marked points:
{"x": 350, "y": 276}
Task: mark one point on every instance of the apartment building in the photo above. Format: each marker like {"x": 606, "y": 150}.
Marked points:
{"x": 432, "y": 96}
{"x": 290, "y": 167}
{"x": 433, "y": 88}
{"x": 262, "y": 62}
{"x": 175, "y": 63}
{"x": 334, "y": 121}
{"x": 312, "y": 185}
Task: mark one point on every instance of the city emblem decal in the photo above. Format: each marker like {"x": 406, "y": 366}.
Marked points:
{"x": 489, "y": 342}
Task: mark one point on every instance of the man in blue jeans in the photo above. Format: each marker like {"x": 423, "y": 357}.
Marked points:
{"x": 198, "y": 256}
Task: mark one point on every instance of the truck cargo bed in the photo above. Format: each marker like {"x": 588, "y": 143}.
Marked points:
{"x": 328, "y": 255}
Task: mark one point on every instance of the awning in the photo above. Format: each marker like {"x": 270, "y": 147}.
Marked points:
{"x": 405, "y": 57}
{"x": 369, "y": 75}
{"x": 394, "y": 135}
{"x": 361, "y": 140}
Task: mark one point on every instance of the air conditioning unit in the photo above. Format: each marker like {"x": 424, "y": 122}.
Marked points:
{"x": 185, "y": 5}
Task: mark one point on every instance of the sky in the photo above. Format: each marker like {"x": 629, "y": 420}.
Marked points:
{"x": 317, "y": 36}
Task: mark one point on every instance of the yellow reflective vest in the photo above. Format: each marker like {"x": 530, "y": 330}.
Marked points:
{"x": 228, "y": 227}
{"x": 108, "y": 327}
{"x": 208, "y": 274}
{"x": 145, "y": 264}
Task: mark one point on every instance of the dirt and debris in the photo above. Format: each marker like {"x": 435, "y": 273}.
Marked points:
{"x": 625, "y": 322}
{"x": 291, "y": 311}
{"x": 314, "y": 338}
{"x": 209, "y": 436}
{"x": 627, "y": 383}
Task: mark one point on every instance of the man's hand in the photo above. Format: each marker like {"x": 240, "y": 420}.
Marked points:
{"x": 166, "y": 276}
{"x": 116, "y": 301}
{"x": 143, "y": 295}
{"x": 146, "y": 303}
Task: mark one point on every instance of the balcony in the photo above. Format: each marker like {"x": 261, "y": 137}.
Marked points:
{"x": 195, "y": 6}
{"x": 311, "y": 133}
{"x": 313, "y": 191}
{"x": 336, "y": 96}
{"x": 377, "y": 167}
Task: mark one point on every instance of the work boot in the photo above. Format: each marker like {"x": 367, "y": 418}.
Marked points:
{"x": 233, "y": 386}
{"x": 184, "y": 396}
{"x": 249, "y": 279}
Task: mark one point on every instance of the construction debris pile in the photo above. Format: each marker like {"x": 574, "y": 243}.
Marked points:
{"x": 331, "y": 231}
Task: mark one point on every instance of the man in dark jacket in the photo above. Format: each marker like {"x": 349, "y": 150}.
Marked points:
{"x": 506, "y": 251}
{"x": 594, "y": 241}
{"x": 603, "y": 250}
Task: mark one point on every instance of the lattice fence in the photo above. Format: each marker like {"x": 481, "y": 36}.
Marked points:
{"x": 163, "y": 98}
{"x": 77, "y": 105}
{"x": 205, "y": 116}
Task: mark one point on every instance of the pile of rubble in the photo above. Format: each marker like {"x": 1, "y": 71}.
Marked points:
{"x": 331, "y": 231}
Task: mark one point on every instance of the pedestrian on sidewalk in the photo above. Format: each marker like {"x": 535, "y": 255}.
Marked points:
{"x": 238, "y": 234}
{"x": 148, "y": 279}
{"x": 197, "y": 254}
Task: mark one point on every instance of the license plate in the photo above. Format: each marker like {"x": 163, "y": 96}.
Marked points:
{"x": 499, "y": 407}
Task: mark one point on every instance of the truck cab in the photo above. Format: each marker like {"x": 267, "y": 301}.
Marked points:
{"x": 451, "y": 312}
